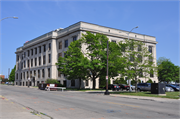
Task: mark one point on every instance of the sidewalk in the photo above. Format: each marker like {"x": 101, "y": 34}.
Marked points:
{"x": 12, "y": 110}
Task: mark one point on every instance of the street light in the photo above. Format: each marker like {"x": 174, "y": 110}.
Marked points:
{"x": 9, "y": 17}
{"x": 129, "y": 79}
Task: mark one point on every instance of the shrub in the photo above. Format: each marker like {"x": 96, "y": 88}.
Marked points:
{"x": 52, "y": 81}
{"x": 149, "y": 81}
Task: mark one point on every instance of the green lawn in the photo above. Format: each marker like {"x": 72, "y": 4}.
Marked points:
{"x": 172, "y": 95}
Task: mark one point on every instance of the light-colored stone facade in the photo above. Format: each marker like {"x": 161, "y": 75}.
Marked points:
{"x": 52, "y": 41}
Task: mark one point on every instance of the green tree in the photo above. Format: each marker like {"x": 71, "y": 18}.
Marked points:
{"x": 74, "y": 64}
{"x": 149, "y": 81}
{"x": 139, "y": 60}
{"x": 12, "y": 74}
{"x": 168, "y": 72}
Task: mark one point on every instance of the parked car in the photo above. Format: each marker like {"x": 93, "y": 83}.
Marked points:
{"x": 176, "y": 88}
{"x": 169, "y": 89}
{"x": 176, "y": 84}
{"x": 123, "y": 86}
{"x": 144, "y": 87}
{"x": 133, "y": 87}
{"x": 113, "y": 87}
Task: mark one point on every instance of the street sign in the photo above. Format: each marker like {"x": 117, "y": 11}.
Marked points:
{"x": 106, "y": 77}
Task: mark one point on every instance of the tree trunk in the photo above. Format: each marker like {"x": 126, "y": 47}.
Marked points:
{"x": 79, "y": 83}
{"x": 136, "y": 85}
{"x": 94, "y": 83}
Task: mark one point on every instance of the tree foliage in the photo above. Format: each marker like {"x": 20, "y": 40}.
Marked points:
{"x": 12, "y": 74}
{"x": 167, "y": 71}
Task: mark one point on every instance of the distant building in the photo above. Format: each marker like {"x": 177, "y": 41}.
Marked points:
{"x": 37, "y": 58}
{"x": 2, "y": 76}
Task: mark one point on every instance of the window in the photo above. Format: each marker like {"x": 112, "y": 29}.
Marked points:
{"x": 31, "y": 74}
{"x": 31, "y": 62}
{"x": 24, "y": 64}
{"x": 66, "y": 43}
{"x": 87, "y": 82}
{"x": 59, "y": 74}
{"x": 39, "y": 49}
{"x": 123, "y": 48}
{"x": 34, "y": 72}
{"x": 38, "y": 73}
{"x": 151, "y": 73}
{"x": 43, "y": 73}
{"x": 28, "y": 53}
{"x": 131, "y": 46}
{"x": 27, "y": 74}
{"x": 140, "y": 58}
{"x": 150, "y": 59}
{"x": 24, "y": 54}
{"x": 74, "y": 38}
{"x": 17, "y": 76}
{"x": 49, "y": 58}
{"x": 72, "y": 82}
{"x": 139, "y": 48}
{"x": 35, "y": 50}
{"x": 113, "y": 41}
{"x": 60, "y": 45}
{"x": 140, "y": 73}
{"x": 59, "y": 55}
{"x": 28, "y": 63}
{"x": 48, "y": 72}
{"x": 24, "y": 75}
{"x": 131, "y": 58}
{"x": 64, "y": 54}
{"x": 21, "y": 65}
{"x": 21, "y": 75}
{"x": 44, "y": 48}
{"x": 32, "y": 52}
{"x": 35, "y": 62}
{"x": 17, "y": 58}
{"x": 39, "y": 61}
{"x": 150, "y": 49}
{"x": 49, "y": 46}
{"x": 44, "y": 59}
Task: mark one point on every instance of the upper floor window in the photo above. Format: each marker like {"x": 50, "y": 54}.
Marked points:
{"x": 59, "y": 55}
{"x": 31, "y": 74}
{"x": 140, "y": 73}
{"x": 39, "y": 61}
{"x": 151, "y": 73}
{"x": 131, "y": 46}
{"x": 28, "y": 53}
{"x": 150, "y": 49}
{"x": 113, "y": 41}
{"x": 74, "y": 38}
{"x": 35, "y": 61}
{"x": 139, "y": 48}
{"x": 49, "y": 58}
{"x": 49, "y": 46}
{"x": 24, "y": 54}
{"x": 31, "y": 62}
{"x": 44, "y": 59}
{"x": 131, "y": 57}
{"x": 24, "y": 63}
{"x": 59, "y": 73}
{"x": 48, "y": 72}
{"x": 24, "y": 75}
{"x": 43, "y": 73}
{"x": 28, "y": 63}
{"x": 17, "y": 58}
{"x": 66, "y": 43}
{"x": 44, "y": 48}
{"x": 87, "y": 82}
{"x": 34, "y": 72}
{"x": 21, "y": 65}
{"x": 60, "y": 45}
{"x": 38, "y": 73}
{"x": 17, "y": 76}
{"x": 35, "y": 50}
{"x": 140, "y": 58}
{"x": 39, "y": 49}
{"x": 32, "y": 52}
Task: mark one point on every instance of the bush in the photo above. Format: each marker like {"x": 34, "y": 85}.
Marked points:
{"x": 52, "y": 81}
{"x": 149, "y": 81}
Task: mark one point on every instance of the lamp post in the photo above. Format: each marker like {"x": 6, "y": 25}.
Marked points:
{"x": 9, "y": 17}
{"x": 129, "y": 82}
{"x": 107, "y": 93}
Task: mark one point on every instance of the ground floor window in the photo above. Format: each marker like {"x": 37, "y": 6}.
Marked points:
{"x": 87, "y": 82}
{"x": 72, "y": 82}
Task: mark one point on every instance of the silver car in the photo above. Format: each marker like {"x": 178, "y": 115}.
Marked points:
{"x": 169, "y": 89}
{"x": 144, "y": 87}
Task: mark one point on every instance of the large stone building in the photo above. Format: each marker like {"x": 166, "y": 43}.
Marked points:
{"x": 37, "y": 57}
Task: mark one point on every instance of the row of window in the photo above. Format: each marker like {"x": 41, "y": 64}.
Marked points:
{"x": 66, "y": 42}
{"x": 38, "y": 74}
{"x": 139, "y": 58}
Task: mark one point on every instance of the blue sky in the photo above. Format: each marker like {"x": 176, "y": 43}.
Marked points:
{"x": 154, "y": 18}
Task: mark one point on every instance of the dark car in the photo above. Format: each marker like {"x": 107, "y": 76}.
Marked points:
{"x": 144, "y": 87}
{"x": 123, "y": 86}
{"x": 176, "y": 88}
{"x": 113, "y": 87}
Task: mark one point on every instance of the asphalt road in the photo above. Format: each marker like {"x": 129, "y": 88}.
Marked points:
{"x": 89, "y": 105}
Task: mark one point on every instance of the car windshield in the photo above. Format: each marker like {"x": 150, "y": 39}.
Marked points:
{"x": 172, "y": 86}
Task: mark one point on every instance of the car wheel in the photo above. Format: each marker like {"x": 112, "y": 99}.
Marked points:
{"x": 138, "y": 90}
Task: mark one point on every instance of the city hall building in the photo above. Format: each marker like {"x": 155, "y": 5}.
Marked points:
{"x": 36, "y": 59}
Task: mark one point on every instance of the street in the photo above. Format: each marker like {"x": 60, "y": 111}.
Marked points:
{"x": 89, "y": 105}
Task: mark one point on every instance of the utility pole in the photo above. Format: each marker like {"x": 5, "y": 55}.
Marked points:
{"x": 107, "y": 93}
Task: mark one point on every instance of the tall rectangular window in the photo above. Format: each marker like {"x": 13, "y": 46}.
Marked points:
{"x": 140, "y": 58}
{"x": 35, "y": 50}
{"x": 66, "y": 44}
{"x": 60, "y": 45}
{"x": 34, "y": 72}
{"x": 28, "y": 53}
{"x": 49, "y": 46}
{"x": 27, "y": 74}
{"x": 140, "y": 73}
{"x": 151, "y": 73}
{"x": 24, "y": 64}
{"x": 31, "y": 74}
{"x": 59, "y": 55}
{"x": 21, "y": 65}
{"x": 24, "y": 75}
{"x": 31, "y": 62}
{"x": 17, "y": 58}
{"x": 87, "y": 82}
{"x": 150, "y": 49}
{"x": 59, "y": 74}
{"x": 21, "y": 75}
{"x": 139, "y": 48}
{"x": 44, "y": 59}
{"x": 28, "y": 63}
{"x": 35, "y": 62}
{"x": 42, "y": 73}
{"x": 131, "y": 57}
{"x": 39, "y": 61}
{"x": 32, "y": 52}
{"x": 17, "y": 76}
{"x": 113, "y": 41}
{"x": 38, "y": 73}
{"x": 44, "y": 48}
{"x": 48, "y": 72}
{"x": 72, "y": 82}
{"x": 24, "y": 54}
{"x": 39, "y": 49}
{"x": 74, "y": 38}
{"x": 49, "y": 58}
